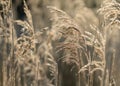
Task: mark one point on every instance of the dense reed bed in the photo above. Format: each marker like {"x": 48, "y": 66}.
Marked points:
{"x": 53, "y": 43}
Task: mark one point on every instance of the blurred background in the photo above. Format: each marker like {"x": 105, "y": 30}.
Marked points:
{"x": 40, "y": 13}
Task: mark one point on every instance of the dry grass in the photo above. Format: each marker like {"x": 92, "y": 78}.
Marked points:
{"x": 74, "y": 50}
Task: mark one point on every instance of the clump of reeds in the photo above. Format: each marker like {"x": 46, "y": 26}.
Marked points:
{"x": 20, "y": 64}
{"x": 79, "y": 51}
{"x": 110, "y": 12}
